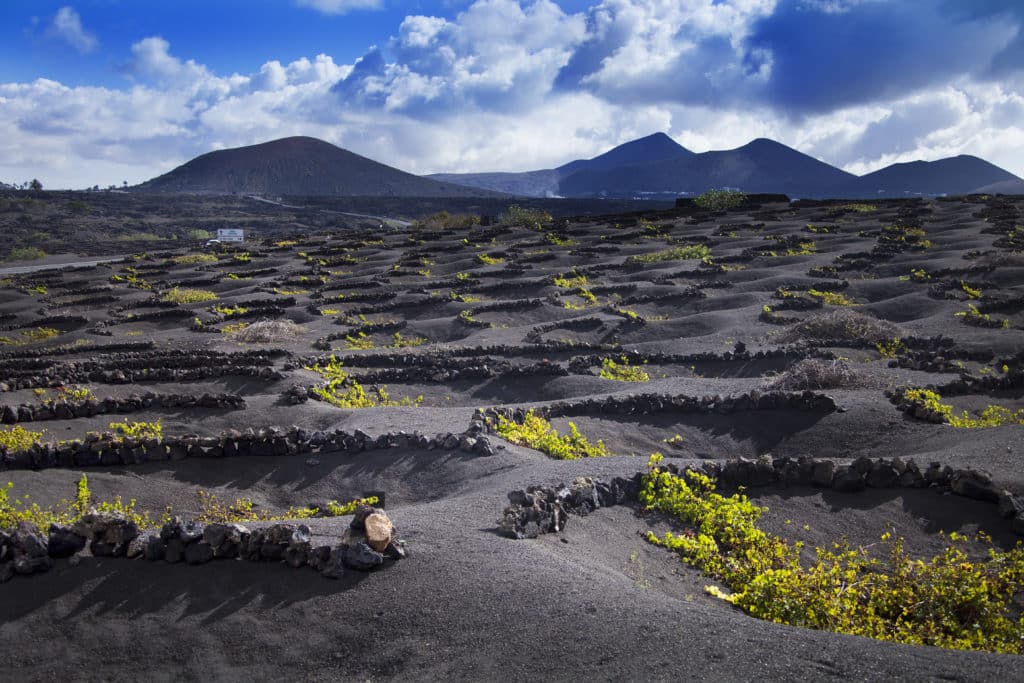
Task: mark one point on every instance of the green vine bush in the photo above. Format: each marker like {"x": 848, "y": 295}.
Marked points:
{"x": 212, "y": 510}
{"x": 529, "y": 218}
{"x": 68, "y": 511}
{"x": 991, "y": 416}
{"x": 687, "y": 252}
{"x": 622, "y": 371}
{"x": 17, "y": 439}
{"x": 537, "y": 433}
{"x": 23, "y": 509}
{"x": 179, "y": 295}
{"x": 947, "y": 601}
{"x": 342, "y": 391}
{"x": 719, "y": 200}
{"x": 138, "y": 430}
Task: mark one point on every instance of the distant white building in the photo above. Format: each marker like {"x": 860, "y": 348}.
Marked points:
{"x": 230, "y": 234}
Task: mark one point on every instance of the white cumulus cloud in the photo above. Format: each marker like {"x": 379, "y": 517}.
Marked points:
{"x": 339, "y": 6}
{"x": 507, "y": 85}
{"x": 67, "y": 26}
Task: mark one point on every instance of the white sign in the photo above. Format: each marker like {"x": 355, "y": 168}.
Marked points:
{"x": 231, "y": 235}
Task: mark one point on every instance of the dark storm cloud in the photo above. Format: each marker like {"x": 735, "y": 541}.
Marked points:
{"x": 824, "y": 58}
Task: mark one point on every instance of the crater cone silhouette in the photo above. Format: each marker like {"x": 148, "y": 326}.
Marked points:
{"x": 301, "y": 166}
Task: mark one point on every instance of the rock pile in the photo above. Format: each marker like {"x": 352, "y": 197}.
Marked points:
{"x": 369, "y": 542}
{"x": 646, "y": 404}
{"x": 106, "y": 449}
{"x": 544, "y": 509}
{"x": 126, "y": 368}
{"x": 67, "y": 410}
{"x": 864, "y": 473}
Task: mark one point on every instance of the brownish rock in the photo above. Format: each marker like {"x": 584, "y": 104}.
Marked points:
{"x": 379, "y": 530}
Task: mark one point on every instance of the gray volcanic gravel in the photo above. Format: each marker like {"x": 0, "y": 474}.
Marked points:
{"x": 594, "y": 602}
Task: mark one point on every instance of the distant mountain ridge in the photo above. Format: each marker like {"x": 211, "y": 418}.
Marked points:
{"x": 657, "y": 166}
{"x": 653, "y": 166}
{"x": 299, "y": 166}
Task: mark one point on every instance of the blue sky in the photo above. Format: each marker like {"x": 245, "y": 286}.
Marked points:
{"x": 101, "y": 91}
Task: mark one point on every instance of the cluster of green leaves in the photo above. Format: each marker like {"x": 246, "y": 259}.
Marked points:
{"x": 138, "y": 430}
{"x": 131, "y": 278}
{"x": 342, "y": 391}
{"x": 212, "y": 510}
{"x": 891, "y": 348}
{"x": 972, "y": 316}
{"x": 280, "y": 291}
{"x": 854, "y": 207}
{"x": 719, "y": 200}
{"x": 233, "y": 328}
{"x": 690, "y": 251}
{"x": 30, "y": 336}
{"x": 948, "y": 601}
{"x": 530, "y": 218}
{"x": 400, "y": 342}
{"x": 627, "y": 313}
{"x": 336, "y": 509}
{"x": 75, "y": 392}
{"x": 26, "y": 254}
{"x": 991, "y": 416}
{"x": 904, "y": 237}
{"x": 571, "y": 281}
{"x": 462, "y": 298}
{"x": 17, "y": 439}
{"x": 553, "y": 238}
{"x": 193, "y": 259}
{"x": 467, "y": 317}
{"x": 15, "y": 510}
{"x": 183, "y": 295}
{"x": 831, "y": 298}
{"x": 228, "y": 311}
{"x": 971, "y": 292}
{"x": 917, "y": 275}
{"x": 360, "y": 341}
{"x": 489, "y": 260}
{"x": 622, "y": 371}
{"x": 537, "y": 433}
{"x": 443, "y": 220}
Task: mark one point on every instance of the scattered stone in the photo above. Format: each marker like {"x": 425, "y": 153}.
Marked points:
{"x": 334, "y": 568}
{"x": 361, "y": 557}
{"x": 199, "y": 552}
{"x": 848, "y": 480}
{"x": 975, "y": 485}
{"x": 64, "y": 541}
{"x": 1009, "y": 505}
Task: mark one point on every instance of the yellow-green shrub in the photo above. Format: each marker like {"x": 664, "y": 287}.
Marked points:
{"x": 180, "y": 295}
{"x": 622, "y": 371}
{"x": 719, "y": 200}
{"x": 691, "y": 251}
{"x": 946, "y": 601}
{"x": 342, "y": 391}
{"x": 15, "y": 510}
{"x": 17, "y": 439}
{"x": 991, "y": 416}
{"x": 138, "y": 430}
{"x": 193, "y": 259}
{"x": 537, "y": 433}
